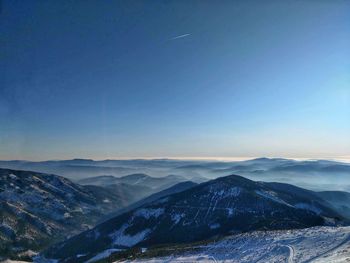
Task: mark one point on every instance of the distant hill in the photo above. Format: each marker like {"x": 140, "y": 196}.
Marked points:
{"x": 318, "y": 175}
{"x": 155, "y": 184}
{"x": 76, "y": 169}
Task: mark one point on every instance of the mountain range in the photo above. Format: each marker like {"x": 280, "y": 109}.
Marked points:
{"x": 227, "y": 205}
{"x": 179, "y": 203}
{"x": 142, "y": 180}
{"x": 318, "y": 175}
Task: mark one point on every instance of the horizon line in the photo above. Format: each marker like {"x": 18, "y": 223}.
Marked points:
{"x": 193, "y": 158}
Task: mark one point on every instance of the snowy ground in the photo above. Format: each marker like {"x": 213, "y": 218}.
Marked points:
{"x": 318, "y": 244}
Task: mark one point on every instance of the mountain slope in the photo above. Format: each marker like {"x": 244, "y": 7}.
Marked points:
{"x": 127, "y": 192}
{"x": 340, "y": 200}
{"x": 171, "y": 190}
{"x": 37, "y": 209}
{"x": 226, "y": 205}
{"x": 139, "y": 185}
{"x": 315, "y": 244}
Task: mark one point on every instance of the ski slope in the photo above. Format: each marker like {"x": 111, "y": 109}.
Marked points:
{"x": 317, "y": 244}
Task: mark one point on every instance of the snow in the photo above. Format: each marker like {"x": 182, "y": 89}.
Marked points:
{"x": 338, "y": 256}
{"x": 176, "y": 218}
{"x": 308, "y": 207}
{"x": 103, "y": 254}
{"x": 214, "y": 226}
{"x": 6, "y": 227}
{"x": 230, "y": 192}
{"x": 12, "y": 176}
{"x": 67, "y": 215}
{"x": 233, "y": 192}
{"x": 148, "y": 212}
{"x": 272, "y": 196}
{"x": 230, "y": 211}
{"x": 317, "y": 244}
{"x": 121, "y": 239}
{"x": 329, "y": 221}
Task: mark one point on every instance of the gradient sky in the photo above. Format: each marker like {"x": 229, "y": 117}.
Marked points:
{"x": 111, "y": 79}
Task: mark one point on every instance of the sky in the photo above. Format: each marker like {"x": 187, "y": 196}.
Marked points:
{"x": 131, "y": 79}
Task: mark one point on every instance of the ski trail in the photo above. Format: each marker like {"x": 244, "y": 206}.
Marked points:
{"x": 213, "y": 258}
{"x": 291, "y": 254}
{"x": 347, "y": 239}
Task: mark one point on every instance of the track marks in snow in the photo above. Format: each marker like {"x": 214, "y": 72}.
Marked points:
{"x": 332, "y": 250}
{"x": 291, "y": 254}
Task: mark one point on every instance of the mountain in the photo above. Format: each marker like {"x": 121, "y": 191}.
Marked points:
{"x": 38, "y": 209}
{"x": 74, "y": 169}
{"x": 124, "y": 194}
{"x": 101, "y": 180}
{"x": 171, "y": 190}
{"x": 139, "y": 194}
{"x": 318, "y": 175}
{"x": 82, "y": 168}
{"x": 154, "y": 184}
{"x": 226, "y": 205}
{"x": 131, "y": 191}
{"x": 340, "y": 201}
{"x": 314, "y": 167}
{"x": 285, "y": 165}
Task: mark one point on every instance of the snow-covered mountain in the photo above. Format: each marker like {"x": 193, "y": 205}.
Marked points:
{"x": 38, "y": 209}
{"x": 223, "y": 206}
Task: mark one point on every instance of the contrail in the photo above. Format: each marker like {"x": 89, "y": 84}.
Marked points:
{"x": 181, "y": 36}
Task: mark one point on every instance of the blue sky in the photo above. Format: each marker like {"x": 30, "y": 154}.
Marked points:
{"x": 113, "y": 79}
